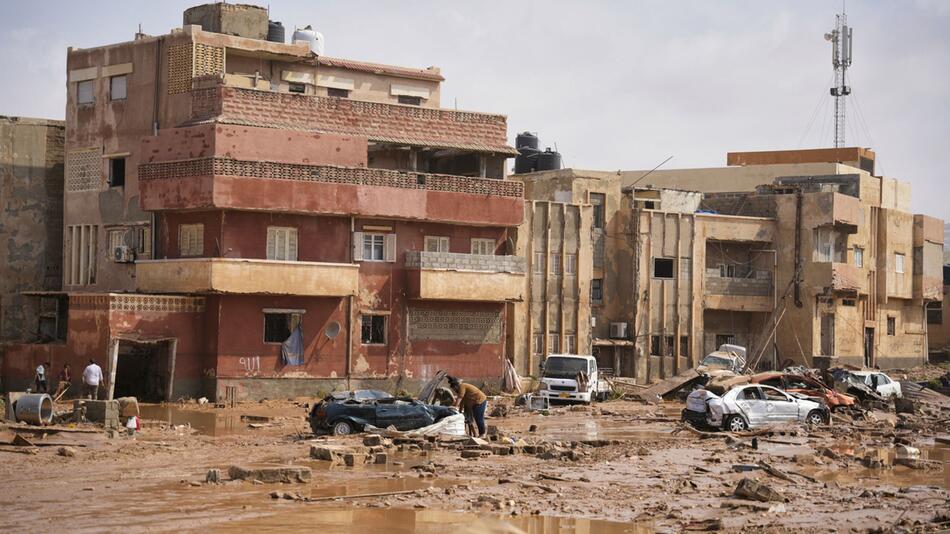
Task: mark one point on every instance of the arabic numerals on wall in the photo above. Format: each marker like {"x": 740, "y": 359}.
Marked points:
{"x": 252, "y": 364}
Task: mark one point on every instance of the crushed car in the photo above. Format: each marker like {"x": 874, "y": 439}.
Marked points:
{"x": 867, "y": 384}
{"x": 728, "y": 357}
{"x": 753, "y": 406}
{"x": 349, "y": 412}
{"x": 806, "y": 385}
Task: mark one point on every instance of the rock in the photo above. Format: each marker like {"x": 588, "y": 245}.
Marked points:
{"x": 372, "y": 440}
{"x": 213, "y": 476}
{"x": 330, "y": 453}
{"x": 499, "y": 410}
{"x": 68, "y": 452}
{"x": 351, "y": 459}
{"x": 757, "y": 491}
{"x": 277, "y": 495}
{"x": 533, "y": 428}
{"x": 381, "y": 458}
{"x": 271, "y": 474}
{"x": 902, "y": 405}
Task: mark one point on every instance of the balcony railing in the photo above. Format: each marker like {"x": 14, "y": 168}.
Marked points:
{"x": 418, "y": 259}
{"x": 751, "y": 283}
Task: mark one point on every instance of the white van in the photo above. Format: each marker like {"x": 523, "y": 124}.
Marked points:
{"x": 559, "y": 379}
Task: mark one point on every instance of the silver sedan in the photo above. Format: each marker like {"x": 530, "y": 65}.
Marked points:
{"x": 755, "y": 405}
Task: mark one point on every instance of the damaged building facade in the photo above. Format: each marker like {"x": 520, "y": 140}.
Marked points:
{"x": 247, "y": 218}
{"x": 793, "y": 254}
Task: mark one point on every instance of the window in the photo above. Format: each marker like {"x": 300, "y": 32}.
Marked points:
{"x": 598, "y": 200}
{"x": 81, "y": 245}
{"x": 410, "y": 100}
{"x": 669, "y": 346}
{"x": 554, "y": 342}
{"x": 142, "y": 236}
{"x": 774, "y": 395}
{"x": 555, "y": 264}
{"x": 899, "y": 263}
{"x": 596, "y": 290}
{"x": 570, "y": 343}
{"x": 85, "y": 92}
{"x": 373, "y": 331}
{"x": 483, "y": 246}
{"x": 374, "y": 247}
{"x": 655, "y": 345}
{"x": 116, "y": 172}
{"x": 117, "y": 87}
{"x": 298, "y": 88}
{"x": 116, "y": 239}
{"x": 281, "y": 243}
{"x": 934, "y": 313}
{"x": 858, "y": 257}
{"x": 191, "y": 239}
{"x": 436, "y": 244}
{"x": 727, "y": 271}
{"x": 662, "y": 268}
{"x": 539, "y": 263}
{"x": 725, "y": 339}
{"x": 279, "y": 324}
{"x": 684, "y": 346}
{"x": 830, "y": 246}
{"x": 891, "y": 326}
{"x": 538, "y": 343}
{"x": 570, "y": 264}
{"x": 848, "y": 302}
{"x": 338, "y": 93}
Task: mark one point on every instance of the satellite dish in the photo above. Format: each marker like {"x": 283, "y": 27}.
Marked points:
{"x": 332, "y": 330}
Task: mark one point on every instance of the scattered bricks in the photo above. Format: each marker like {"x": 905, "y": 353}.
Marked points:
{"x": 754, "y": 490}
{"x": 105, "y": 412}
{"x": 329, "y": 453}
{"x": 373, "y": 440}
{"x": 352, "y": 459}
{"x": 270, "y": 474}
{"x": 381, "y": 458}
{"x": 470, "y": 454}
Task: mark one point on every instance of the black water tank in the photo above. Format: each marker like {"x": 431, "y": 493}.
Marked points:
{"x": 527, "y": 161}
{"x": 549, "y": 160}
{"x": 275, "y": 31}
{"x": 526, "y": 139}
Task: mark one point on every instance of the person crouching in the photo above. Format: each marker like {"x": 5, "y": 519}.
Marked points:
{"x": 471, "y": 401}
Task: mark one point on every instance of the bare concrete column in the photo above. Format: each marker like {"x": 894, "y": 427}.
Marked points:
{"x": 172, "y": 351}
{"x": 113, "y": 359}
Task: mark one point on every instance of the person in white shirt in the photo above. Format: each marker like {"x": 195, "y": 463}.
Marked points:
{"x": 40, "y": 379}
{"x": 91, "y": 378}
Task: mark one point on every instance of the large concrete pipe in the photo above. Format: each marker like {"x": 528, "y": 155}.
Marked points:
{"x": 35, "y": 409}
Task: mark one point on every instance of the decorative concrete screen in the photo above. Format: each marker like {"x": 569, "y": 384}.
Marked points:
{"x": 180, "y": 68}
{"x": 452, "y": 325}
{"x": 84, "y": 170}
{"x": 208, "y": 60}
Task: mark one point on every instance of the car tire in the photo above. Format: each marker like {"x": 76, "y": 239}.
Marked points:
{"x": 736, "y": 423}
{"x": 815, "y": 418}
{"x": 342, "y": 428}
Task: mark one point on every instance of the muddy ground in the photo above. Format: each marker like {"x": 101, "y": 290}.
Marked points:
{"x": 619, "y": 466}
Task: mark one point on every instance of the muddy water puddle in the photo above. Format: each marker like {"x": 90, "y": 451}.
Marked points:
{"x": 207, "y": 423}
{"x": 411, "y": 521}
{"x": 892, "y": 474}
{"x": 580, "y": 429}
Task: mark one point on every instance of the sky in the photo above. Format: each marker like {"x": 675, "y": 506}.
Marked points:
{"x": 613, "y": 85}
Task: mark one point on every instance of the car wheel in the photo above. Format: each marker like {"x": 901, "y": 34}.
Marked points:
{"x": 342, "y": 428}
{"x": 736, "y": 424}
{"x": 814, "y": 418}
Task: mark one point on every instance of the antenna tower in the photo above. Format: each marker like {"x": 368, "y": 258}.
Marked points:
{"x": 841, "y": 39}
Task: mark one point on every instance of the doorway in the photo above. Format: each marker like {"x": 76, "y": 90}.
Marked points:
{"x": 827, "y": 334}
{"x": 143, "y": 370}
{"x": 868, "y": 347}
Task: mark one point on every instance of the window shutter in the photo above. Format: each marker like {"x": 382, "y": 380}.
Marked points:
{"x": 431, "y": 244}
{"x": 390, "y": 248}
{"x": 271, "y": 243}
{"x": 199, "y": 240}
{"x": 292, "y": 244}
{"x": 357, "y": 246}
{"x": 443, "y": 244}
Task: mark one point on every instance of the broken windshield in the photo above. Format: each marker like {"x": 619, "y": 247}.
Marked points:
{"x": 718, "y": 361}
{"x": 564, "y": 367}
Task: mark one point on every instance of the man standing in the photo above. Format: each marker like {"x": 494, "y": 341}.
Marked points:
{"x": 91, "y": 378}
{"x": 40, "y": 377}
{"x": 65, "y": 378}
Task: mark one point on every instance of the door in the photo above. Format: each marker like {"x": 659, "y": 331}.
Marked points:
{"x": 828, "y": 334}
{"x": 752, "y": 405}
{"x": 780, "y": 407}
{"x": 868, "y": 346}
{"x": 402, "y": 415}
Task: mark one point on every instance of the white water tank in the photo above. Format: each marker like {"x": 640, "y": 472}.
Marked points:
{"x": 313, "y": 38}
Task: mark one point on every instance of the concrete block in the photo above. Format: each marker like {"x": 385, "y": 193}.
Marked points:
{"x": 271, "y": 474}
{"x": 105, "y": 412}
{"x": 9, "y": 398}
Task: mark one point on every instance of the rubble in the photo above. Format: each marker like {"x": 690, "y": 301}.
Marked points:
{"x": 270, "y": 474}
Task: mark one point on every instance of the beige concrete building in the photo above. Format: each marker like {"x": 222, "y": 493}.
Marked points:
{"x": 793, "y": 254}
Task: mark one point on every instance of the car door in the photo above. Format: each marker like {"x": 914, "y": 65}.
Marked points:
{"x": 752, "y": 405}
{"x": 885, "y": 386}
{"x": 779, "y": 406}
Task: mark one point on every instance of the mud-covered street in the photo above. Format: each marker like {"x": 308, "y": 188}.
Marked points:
{"x": 619, "y": 466}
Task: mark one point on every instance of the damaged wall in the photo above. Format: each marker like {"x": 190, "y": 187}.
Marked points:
{"x": 31, "y": 218}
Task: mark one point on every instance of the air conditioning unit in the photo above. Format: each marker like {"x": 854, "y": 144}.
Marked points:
{"x": 618, "y": 330}
{"x": 123, "y": 254}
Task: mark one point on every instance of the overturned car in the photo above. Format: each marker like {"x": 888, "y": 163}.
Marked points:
{"x": 751, "y": 406}
{"x": 348, "y": 412}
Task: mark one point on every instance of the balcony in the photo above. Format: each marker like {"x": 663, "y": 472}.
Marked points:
{"x": 737, "y": 229}
{"x": 226, "y": 183}
{"x": 379, "y": 122}
{"x": 247, "y": 276}
{"x": 751, "y": 292}
{"x": 839, "y": 211}
{"x": 842, "y": 277}
{"x": 472, "y": 277}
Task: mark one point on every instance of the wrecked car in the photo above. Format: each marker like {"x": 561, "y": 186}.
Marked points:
{"x": 805, "y": 385}
{"x": 347, "y": 412}
{"x": 727, "y": 357}
{"x": 867, "y": 385}
{"x": 753, "y": 406}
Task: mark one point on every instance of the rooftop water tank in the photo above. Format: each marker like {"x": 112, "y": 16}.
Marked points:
{"x": 526, "y": 139}
{"x": 313, "y": 38}
{"x": 549, "y": 160}
{"x": 526, "y": 161}
{"x": 275, "y": 32}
